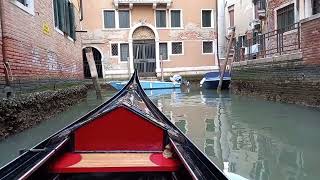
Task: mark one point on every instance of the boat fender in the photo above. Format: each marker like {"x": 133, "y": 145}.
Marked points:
{"x": 167, "y": 153}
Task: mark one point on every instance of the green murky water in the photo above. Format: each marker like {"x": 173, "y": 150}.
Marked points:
{"x": 257, "y": 139}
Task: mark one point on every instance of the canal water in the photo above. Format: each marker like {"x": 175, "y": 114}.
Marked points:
{"x": 253, "y": 138}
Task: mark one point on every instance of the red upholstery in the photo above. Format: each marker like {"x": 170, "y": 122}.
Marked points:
{"x": 113, "y": 162}
{"x": 120, "y": 129}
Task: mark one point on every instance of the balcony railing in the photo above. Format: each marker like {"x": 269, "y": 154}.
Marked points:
{"x": 278, "y": 42}
{"x": 133, "y": 2}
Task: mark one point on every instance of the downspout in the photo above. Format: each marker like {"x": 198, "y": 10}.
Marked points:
{"x": 81, "y": 10}
{"x": 217, "y": 36}
{"x": 4, "y": 54}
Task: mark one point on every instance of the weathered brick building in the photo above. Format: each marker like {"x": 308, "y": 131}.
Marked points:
{"x": 283, "y": 61}
{"x": 39, "y": 42}
{"x": 128, "y": 34}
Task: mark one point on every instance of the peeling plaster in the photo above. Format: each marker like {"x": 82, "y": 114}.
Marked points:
{"x": 193, "y": 32}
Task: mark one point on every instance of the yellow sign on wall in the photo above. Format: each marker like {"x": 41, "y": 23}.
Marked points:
{"x": 46, "y": 29}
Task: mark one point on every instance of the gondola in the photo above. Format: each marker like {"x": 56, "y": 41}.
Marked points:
{"x": 127, "y": 137}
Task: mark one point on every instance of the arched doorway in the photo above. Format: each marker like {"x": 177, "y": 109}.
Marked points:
{"x": 144, "y": 51}
{"x": 97, "y": 59}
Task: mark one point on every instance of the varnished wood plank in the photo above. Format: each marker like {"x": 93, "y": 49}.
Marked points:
{"x": 115, "y": 160}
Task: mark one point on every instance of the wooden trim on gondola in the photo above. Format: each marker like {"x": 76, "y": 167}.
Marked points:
{"x": 114, "y": 162}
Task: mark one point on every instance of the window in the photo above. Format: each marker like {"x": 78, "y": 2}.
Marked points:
{"x": 64, "y": 18}
{"x": 114, "y": 50}
{"x": 207, "y": 47}
{"x": 231, "y": 15}
{"x": 163, "y": 50}
{"x": 23, "y": 2}
{"x": 176, "y": 48}
{"x": 109, "y": 19}
{"x": 161, "y": 18}
{"x": 26, "y": 5}
{"x": 175, "y": 18}
{"x": 261, "y": 4}
{"x": 206, "y": 18}
{"x": 124, "y": 19}
{"x": 285, "y": 17}
{"x": 315, "y": 7}
{"x": 124, "y": 51}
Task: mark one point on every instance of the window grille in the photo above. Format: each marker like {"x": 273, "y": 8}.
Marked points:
{"x": 114, "y": 49}
{"x": 207, "y": 47}
{"x": 285, "y": 18}
{"x": 176, "y": 48}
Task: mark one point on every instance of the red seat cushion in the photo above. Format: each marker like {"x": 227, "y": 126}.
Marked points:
{"x": 113, "y": 162}
{"x": 121, "y": 130}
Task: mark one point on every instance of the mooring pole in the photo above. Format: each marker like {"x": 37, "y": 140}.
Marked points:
{"x": 225, "y": 62}
{"x": 161, "y": 64}
{"x": 93, "y": 71}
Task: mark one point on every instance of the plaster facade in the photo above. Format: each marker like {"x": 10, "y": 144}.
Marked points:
{"x": 191, "y": 61}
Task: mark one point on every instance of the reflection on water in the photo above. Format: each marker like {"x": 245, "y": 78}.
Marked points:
{"x": 253, "y": 138}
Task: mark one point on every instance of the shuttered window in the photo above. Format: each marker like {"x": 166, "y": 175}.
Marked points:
{"x": 175, "y": 18}
{"x": 124, "y": 51}
{"x": 161, "y": 18}
{"x": 163, "y": 50}
{"x": 124, "y": 19}
{"x": 64, "y": 17}
{"x": 109, "y": 19}
{"x": 206, "y": 18}
{"x": 285, "y": 18}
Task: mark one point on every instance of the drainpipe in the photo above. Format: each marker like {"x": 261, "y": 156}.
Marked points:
{"x": 217, "y": 35}
{"x": 4, "y": 54}
{"x": 81, "y": 10}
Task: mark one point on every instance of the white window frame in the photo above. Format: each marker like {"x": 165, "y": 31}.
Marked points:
{"x": 181, "y": 19}
{"x": 212, "y": 18}
{"x": 168, "y": 49}
{"x": 155, "y": 18}
{"x": 116, "y": 16}
{"x": 202, "y": 47}
{"x": 29, "y": 9}
{"x": 117, "y": 43}
{"x": 182, "y": 53}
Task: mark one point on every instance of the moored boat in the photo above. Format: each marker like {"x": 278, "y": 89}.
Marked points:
{"x": 126, "y": 137}
{"x": 211, "y": 80}
{"x": 147, "y": 85}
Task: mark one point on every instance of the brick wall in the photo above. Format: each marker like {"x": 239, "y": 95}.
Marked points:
{"x": 292, "y": 78}
{"x": 271, "y": 13}
{"x": 34, "y": 55}
{"x": 1, "y": 57}
{"x": 310, "y": 39}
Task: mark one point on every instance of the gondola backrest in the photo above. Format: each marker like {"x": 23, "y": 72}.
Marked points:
{"x": 119, "y": 130}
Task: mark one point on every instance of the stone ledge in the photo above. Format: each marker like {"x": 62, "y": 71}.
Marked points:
{"x": 19, "y": 113}
{"x": 311, "y": 18}
{"x": 285, "y": 57}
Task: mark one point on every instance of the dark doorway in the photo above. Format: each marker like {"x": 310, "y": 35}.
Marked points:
{"x": 97, "y": 59}
{"x": 144, "y": 57}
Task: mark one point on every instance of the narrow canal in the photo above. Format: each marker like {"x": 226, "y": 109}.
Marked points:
{"x": 255, "y": 138}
